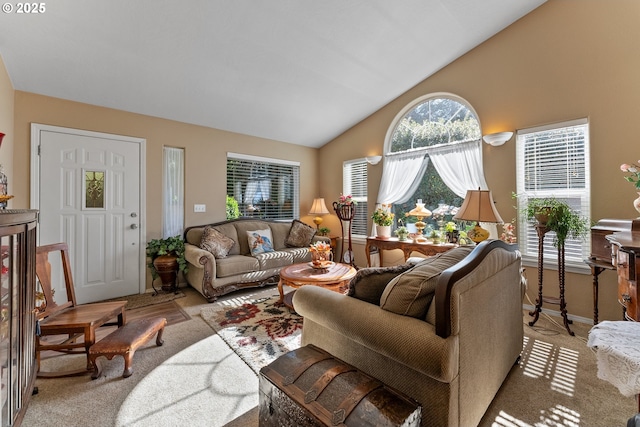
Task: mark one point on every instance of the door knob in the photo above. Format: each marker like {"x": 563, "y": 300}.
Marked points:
{"x": 134, "y": 226}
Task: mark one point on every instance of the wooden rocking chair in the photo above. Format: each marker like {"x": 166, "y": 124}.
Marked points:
{"x": 76, "y": 324}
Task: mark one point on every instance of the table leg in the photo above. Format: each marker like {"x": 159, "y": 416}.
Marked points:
{"x": 280, "y": 302}
{"x": 366, "y": 250}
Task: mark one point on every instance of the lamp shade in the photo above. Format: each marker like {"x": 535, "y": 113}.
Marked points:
{"x": 318, "y": 207}
{"x": 420, "y": 211}
{"x": 478, "y": 206}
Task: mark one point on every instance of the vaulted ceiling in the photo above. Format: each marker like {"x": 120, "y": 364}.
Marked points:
{"x": 297, "y": 71}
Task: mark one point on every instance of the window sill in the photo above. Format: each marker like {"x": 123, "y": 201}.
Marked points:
{"x": 577, "y": 267}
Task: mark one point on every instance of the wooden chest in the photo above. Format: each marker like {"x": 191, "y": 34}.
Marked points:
{"x": 309, "y": 387}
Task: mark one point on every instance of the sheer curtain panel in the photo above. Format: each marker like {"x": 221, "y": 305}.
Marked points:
{"x": 173, "y": 192}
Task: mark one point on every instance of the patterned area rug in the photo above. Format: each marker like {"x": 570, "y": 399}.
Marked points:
{"x": 254, "y": 328}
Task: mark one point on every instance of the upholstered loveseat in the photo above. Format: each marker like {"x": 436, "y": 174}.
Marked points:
{"x": 230, "y": 255}
{"x": 446, "y": 331}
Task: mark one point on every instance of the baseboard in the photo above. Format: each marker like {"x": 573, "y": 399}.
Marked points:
{"x": 556, "y": 313}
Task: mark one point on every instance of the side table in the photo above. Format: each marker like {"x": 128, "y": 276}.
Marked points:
{"x": 335, "y": 278}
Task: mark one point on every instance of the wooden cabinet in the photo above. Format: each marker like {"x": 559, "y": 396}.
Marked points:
{"x": 17, "y": 319}
{"x": 625, "y": 256}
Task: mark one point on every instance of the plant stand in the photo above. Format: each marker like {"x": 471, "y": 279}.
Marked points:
{"x": 346, "y": 213}
{"x": 542, "y": 230}
{"x": 167, "y": 268}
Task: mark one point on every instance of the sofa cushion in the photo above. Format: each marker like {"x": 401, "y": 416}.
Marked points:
{"x": 230, "y": 231}
{"x": 242, "y": 227}
{"x": 279, "y": 232}
{"x": 260, "y": 241}
{"x": 274, "y": 259}
{"x": 370, "y": 282}
{"x": 299, "y": 254}
{"x": 411, "y": 293}
{"x": 236, "y": 264}
{"x": 300, "y": 234}
{"x": 216, "y": 242}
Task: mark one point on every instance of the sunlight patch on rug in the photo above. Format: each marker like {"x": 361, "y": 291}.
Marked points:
{"x": 255, "y": 328}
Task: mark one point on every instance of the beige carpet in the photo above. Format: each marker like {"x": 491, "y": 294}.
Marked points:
{"x": 196, "y": 380}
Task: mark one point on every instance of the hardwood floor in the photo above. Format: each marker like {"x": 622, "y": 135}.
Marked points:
{"x": 169, "y": 310}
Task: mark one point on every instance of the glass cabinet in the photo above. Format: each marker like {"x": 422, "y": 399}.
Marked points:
{"x": 17, "y": 319}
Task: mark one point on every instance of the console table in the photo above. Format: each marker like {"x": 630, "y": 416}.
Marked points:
{"x": 406, "y": 246}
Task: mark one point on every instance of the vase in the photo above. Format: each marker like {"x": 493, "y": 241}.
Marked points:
{"x": 636, "y": 203}
{"x": 321, "y": 258}
{"x": 383, "y": 231}
{"x": 167, "y": 268}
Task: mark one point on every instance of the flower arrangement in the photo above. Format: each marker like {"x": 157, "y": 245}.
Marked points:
{"x": 320, "y": 246}
{"x": 508, "y": 233}
{"x": 346, "y": 200}
{"x": 634, "y": 170}
{"x": 382, "y": 216}
{"x": 450, "y": 227}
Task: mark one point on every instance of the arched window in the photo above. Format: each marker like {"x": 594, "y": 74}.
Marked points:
{"x": 432, "y": 152}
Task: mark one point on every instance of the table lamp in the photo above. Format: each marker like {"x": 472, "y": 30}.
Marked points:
{"x": 420, "y": 212}
{"x": 318, "y": 208}
{"x": 478, "y": 206}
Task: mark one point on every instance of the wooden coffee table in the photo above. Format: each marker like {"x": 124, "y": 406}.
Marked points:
{"x": 335, "y": 278}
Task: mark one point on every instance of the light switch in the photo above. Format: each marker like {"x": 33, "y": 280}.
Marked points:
{"x": 199, "y": 208}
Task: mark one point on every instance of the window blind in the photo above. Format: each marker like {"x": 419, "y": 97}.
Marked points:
{"x": 553, "y": 161}
{"x": 354, "y": 182}
{"x": 264, "y": 188}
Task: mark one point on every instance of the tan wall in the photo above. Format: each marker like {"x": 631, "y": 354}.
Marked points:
{"x": 6, "y": 126}
{"x": 565, "y": 60}
{"x": 205, "y": 154}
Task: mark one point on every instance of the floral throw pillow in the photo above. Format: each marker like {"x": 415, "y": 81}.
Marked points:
{"x": 260, "y": 241}
{"x": 216, "y": 242}
{"x": 300, "y": 235}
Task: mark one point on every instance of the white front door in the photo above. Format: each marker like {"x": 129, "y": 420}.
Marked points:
{"x": 89, "y": 196}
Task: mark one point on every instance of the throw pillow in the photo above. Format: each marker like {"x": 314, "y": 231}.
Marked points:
{"x": 369, "y": 283}
{"x": 216, "y": 242}
{"x": 411, "y": 293}
{"x": 260, "y": 241}
{"x": 300, "y": 234}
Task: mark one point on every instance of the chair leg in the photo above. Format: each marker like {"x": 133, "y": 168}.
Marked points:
{"x": 128, "y": 360}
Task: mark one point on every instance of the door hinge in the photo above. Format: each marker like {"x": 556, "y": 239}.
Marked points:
{"x": 38, "y": 149}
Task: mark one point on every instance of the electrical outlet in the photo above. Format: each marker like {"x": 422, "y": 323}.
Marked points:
{"x": 199, "y": 208}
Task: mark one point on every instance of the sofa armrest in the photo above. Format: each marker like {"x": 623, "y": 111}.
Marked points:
{"x": 198, "y": 257}
{"x": 407, "y": 340}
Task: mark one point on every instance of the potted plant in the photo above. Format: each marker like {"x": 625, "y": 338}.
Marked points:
{"x": 557, "y": 216}
{"x": 383, "y": 219}
{"x": 166, "y": 258}
{"x": 402, "y": 232}
{"x": 323, "y": 231}
{"x": 451, "y": 231}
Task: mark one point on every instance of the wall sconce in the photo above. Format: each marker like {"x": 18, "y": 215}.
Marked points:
{"x": 497, "y": 139}
{"x": 373, "y": 160}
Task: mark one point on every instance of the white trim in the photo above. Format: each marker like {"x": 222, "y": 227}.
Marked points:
{"x": 569, "y": 123}
{"x": 249, "y": 157}
{"x": 557, "y": 314}
{"x": 37, "y": 128}
{"x": 418, "y": 101}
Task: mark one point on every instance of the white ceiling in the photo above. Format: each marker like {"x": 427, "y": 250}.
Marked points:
{"x": 298, "y": 71}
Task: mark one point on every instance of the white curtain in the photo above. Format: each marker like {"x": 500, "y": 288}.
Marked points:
{"x": 460, "y": 166}
{"x": 173, "y": 192}
{"x": 401, "y": 175}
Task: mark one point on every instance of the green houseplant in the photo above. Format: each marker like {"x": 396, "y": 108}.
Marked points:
{"x": 557, "y": 216}
{"x": 166, "y": 258}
